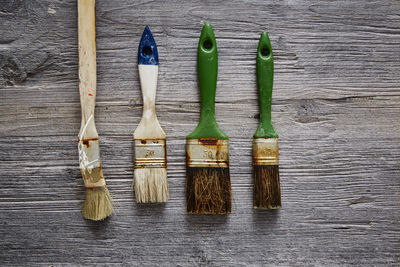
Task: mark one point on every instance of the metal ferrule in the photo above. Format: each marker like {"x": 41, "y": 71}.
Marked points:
{"x": 89, "y": 163}
{"x": 150, "y": 153}
{"x": 207, "y": 152}
{"x": 99, "y": 183}
{"x": 265, "y": 151}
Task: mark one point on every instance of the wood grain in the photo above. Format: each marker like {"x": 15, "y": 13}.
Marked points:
{"x": 87, "y": 67}
{"x": 149, "y": 127}
{"x": 335, "y": 107}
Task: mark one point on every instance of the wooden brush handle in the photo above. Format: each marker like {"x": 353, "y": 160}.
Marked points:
{"x": 265, "y": 79}
{"x": 148, "y": 75}
{"x": 87, "y": 67}
{"x": 149, "y": 127}
{"x": 207, "y": 70}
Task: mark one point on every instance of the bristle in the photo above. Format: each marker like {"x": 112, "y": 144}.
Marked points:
{"x": 208, "y": 190}
{"x": 267, "y": 191}
{"x": 98, "y": 204}
{"x": 151, "y": 185}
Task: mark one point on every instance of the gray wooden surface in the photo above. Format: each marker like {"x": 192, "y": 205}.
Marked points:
{"x": 336, "y": 108}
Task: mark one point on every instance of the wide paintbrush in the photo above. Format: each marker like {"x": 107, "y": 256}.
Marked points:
{"x": 150, "y": 174}
{"x": 208, "y": 185}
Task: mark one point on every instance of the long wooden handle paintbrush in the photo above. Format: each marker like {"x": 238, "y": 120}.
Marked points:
{"x": 98, "y": 203}
{"x": 208, "y": 185}
{"x": 267, "y": 192}
{"x": 150, "y": 175}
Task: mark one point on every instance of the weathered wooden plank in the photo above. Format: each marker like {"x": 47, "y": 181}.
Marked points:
{"x": 335, "y": 107}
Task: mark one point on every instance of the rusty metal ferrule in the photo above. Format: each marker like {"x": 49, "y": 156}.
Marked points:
{"x": 150, "y": 153}
{"x": 100, "y": 183}
{"x": 89, "y": 163}
{"x": 207, "y": 152}
{"x": 265, "y": 151}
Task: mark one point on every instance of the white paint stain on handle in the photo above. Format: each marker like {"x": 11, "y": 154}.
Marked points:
{"x": 149, "y": 127}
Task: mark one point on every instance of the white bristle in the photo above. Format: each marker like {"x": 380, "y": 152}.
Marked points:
{"x": 150, "y": 185}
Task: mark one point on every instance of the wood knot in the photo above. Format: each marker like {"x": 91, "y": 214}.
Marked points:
{"x": 306, "y": 111}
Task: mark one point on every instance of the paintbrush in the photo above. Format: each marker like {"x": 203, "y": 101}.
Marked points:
{"x": 208, "y": 185}
{"x": 150, "y": 174}
{"x": 98, "y": 202}
{"x": 267, "y": 192}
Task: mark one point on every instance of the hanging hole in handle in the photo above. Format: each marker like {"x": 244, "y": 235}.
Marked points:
{"x": 207, "y": 44}
{"x": 265, "y": 52}
{"x": 147, "y": 50}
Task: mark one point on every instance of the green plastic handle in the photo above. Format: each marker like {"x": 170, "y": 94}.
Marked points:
{"x": 265, "y": 80}
{"x": 207, "y": 69}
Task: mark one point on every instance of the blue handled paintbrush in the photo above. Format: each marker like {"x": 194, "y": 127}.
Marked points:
{"x": 150, "y": 175}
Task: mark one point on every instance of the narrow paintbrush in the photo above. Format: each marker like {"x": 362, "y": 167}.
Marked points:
{"x": 98, "y": 203}
{"x": 267, "y": 192}
{"x": 150, "y": 175}
{"x": 208, "y": 185}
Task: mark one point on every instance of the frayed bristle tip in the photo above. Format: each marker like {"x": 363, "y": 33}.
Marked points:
{"x": 208, "y": 190}
{"x": 151, "y": 185}
{"x": 98, "y": 204}
{"x": 267, "y": 190}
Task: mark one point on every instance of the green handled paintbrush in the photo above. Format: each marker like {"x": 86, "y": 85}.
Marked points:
{"x": 208, "y": 186}
{"x": 267, "y": 192}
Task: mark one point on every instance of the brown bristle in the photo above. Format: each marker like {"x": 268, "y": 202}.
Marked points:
{"x": 208, "y": 190}
{"x": 267, "y": 190}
